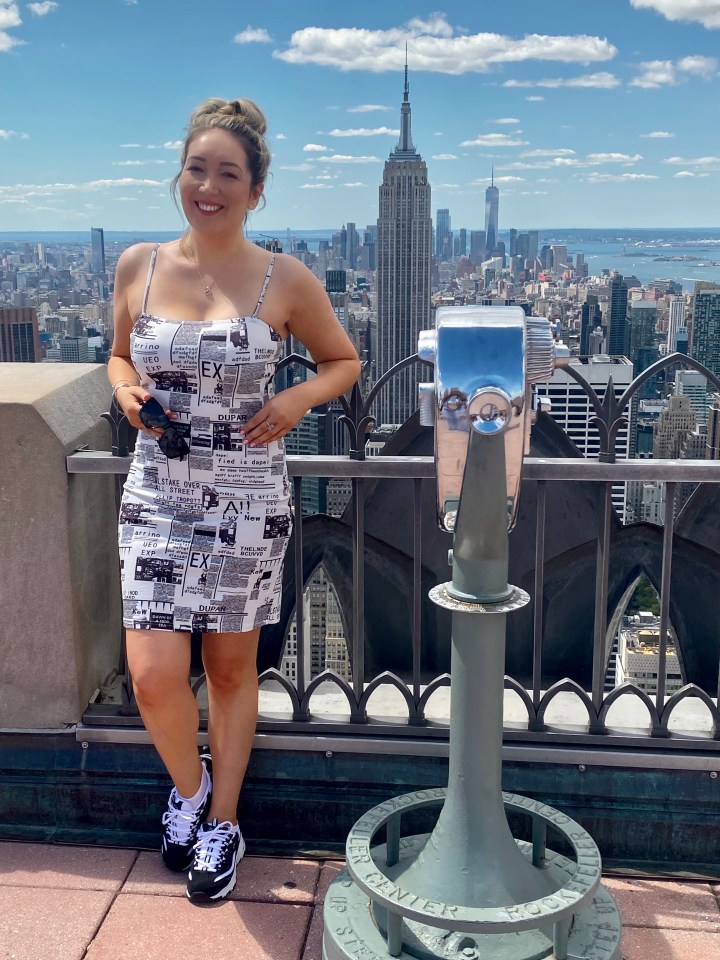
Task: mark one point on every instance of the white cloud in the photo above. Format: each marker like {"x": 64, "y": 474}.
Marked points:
{"x": 298, "y": 167}
{"x": 316, "y": 186}
{"x": 435, "y": 48}
{"x": 314, "y": 148}
{"x": 9, "y": 18}
{"x": 444, "y": 156}
{"x": 30, "y": 190}
{"x": 9, "y": 134}
{"x": 658, "y": 73}
{"x": 167, "y": 145}
{"x": 364, "y": 132}
{"x": 593, "y": 158}
{"x": 131, "y": 146}
{"x": 684, "y": 173}
{"x": 356, "y": 183}
{"x": 705, "y": 67}
{"x": 658, "y": 135}
{"x": 124, "y": 182}
{"x": 562, "y": 152}
{"x": 534, "y": 99}
{"x": 367, "y": 108}
{"x": 617, "y": 177}
{"x": 559, "y": 162}
{"x": 709, "y": 163}
{"x": 345, "y": 158}
{"x": 483, "y": 180}
{"x": 280, "y": 136}
{"x": 252, "y": 35}
{"x": 600, "y": 81}
{"x": 706, "y": 12}
{"x": 493, "y": 140}
{"x": 138, "y": 163}
{"x": 506, "y": 120}
{"x": 533, "y": 193}
{"x": 42, "y": 9}
{"x": 655, "y": 73}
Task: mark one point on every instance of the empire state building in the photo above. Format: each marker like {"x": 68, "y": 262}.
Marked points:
{"x": 404, "y": 261}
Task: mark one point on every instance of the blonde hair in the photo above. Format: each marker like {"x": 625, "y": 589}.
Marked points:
{"x": 244, "y": 120}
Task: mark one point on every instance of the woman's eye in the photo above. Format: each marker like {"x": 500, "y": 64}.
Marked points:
{"x": 194, "y": 168}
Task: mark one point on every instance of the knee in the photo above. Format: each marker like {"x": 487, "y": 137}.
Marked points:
{"x": 230, "y": 677}
{"x": 153, "y": 684}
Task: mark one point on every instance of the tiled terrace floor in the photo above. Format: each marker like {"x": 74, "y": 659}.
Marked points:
{"x": 89, "y": 903}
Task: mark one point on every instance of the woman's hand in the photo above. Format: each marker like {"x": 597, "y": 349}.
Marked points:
{"x": 276, "y": 418}
{"x": 130, "y": 398}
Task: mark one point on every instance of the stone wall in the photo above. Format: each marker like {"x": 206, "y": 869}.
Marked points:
{"x": 60, "y": 621}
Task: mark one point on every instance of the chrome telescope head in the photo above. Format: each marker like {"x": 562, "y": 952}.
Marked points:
{"x": 486, "y": 359}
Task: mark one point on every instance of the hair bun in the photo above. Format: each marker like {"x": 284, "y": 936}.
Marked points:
{"x": 250, "y": 113}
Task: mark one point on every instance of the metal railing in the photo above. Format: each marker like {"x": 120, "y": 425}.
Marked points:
{"x": 416, "y": 730}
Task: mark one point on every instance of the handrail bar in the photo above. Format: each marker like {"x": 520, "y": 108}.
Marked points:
{"x": 534, "y": 468}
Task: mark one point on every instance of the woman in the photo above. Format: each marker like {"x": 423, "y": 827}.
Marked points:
{"x": 205, "y": 516}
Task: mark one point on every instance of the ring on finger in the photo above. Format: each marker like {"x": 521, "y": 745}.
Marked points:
{"x": 270, "y": 425}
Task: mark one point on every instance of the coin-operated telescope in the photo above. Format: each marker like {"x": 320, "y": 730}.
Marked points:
{"x": 486, "y": 361}
{"x": 469, "y": 890}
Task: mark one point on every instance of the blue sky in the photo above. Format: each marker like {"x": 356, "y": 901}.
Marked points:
{"x": 593, "y": 114}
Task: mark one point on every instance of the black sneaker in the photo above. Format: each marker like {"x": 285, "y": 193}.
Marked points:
{"x": 180, "y": 827}
{"x": 218, "y": 850}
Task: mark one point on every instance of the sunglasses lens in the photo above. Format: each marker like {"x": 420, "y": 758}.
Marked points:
{"x": 173, "y": 445}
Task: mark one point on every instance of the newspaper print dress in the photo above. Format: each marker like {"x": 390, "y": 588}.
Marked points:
{"x": 202, "y": 540}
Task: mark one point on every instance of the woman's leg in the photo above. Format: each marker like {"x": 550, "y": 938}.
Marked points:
{"x": 231, "y": 670}
{"x": 160, "y": 667}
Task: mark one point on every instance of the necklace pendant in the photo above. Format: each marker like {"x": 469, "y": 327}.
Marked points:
{"x": 208, "y": 292}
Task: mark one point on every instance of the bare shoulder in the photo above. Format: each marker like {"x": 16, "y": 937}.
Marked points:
{"x": 294, "y": 272}
{"x": 134, "y": 260}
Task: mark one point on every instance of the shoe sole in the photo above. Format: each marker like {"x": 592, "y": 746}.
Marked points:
{"x": 200, "y": 896}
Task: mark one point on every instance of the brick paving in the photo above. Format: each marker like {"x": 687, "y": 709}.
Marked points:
{"x": 91, "y": 903}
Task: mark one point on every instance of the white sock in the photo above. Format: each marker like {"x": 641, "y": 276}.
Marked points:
{"x": 196, "y": 801}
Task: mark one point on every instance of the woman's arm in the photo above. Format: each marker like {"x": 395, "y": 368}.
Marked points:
{"x": 313, "y": 322}
{"x": 122, "y": 374}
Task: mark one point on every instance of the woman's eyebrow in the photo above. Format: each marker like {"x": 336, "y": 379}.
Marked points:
{"x": 223, "y": 163}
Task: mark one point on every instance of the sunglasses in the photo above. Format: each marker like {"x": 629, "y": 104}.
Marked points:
{"x": 172, "y": 443}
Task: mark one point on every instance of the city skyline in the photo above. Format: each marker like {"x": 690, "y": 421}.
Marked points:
{"x": 582, "y": 109}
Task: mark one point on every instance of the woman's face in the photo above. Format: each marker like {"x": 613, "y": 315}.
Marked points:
{"x": 215, "y": 184}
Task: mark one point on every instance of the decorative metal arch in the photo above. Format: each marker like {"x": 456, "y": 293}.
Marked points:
{"x": 609, "y": 412}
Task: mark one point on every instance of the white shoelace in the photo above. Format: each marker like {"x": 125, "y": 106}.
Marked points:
{"x": 211, "y": 844}
{"x": 181, "y": 823}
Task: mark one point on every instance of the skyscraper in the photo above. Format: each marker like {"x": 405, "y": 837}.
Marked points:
{"x": 706, "y": 325}
{"x": 97, "y": 249}
{"x": 404, "y": 263}
{"x": 477, "y": 246}
{"x": 492, "y": 204}
{"x": 442, "y": 235}
{"x": 618, "y": 329}
{"x": 590, "y": 317}
{"x": 19, "y": 339}
{"x": 676, "y": 319}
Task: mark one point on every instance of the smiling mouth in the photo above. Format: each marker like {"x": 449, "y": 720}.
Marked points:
{"x": 208, "y": 208}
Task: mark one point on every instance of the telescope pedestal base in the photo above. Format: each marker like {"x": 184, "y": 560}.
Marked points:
{"x": 369, "y": 915}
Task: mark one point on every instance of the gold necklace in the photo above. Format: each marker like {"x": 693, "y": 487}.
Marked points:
{"x": 207, "y": 287}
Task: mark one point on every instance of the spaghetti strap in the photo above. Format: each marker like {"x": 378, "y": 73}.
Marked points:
{"x": 151, "y": 267}
{"x": 264, "y": 286}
